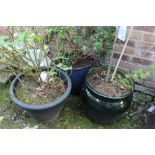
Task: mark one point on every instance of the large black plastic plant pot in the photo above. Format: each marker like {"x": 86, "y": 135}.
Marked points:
{"x": 101, "y": 108}
{"x": 44, "y": 112}
{"x": 77, "y": 76}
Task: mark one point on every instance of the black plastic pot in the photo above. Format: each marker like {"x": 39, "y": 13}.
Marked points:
{"x": 101, "y": 108}
{"x": 77, "y": 76}
{"x": 44, "y": 112}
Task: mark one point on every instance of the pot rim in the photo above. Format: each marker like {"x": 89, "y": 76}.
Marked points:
{"x": 103, "y": 95}
{"x": 79, "y": 68}
{"x": 47, "y": 105}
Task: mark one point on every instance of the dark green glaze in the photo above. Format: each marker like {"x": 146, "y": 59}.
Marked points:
{"x": 102, "y": 108}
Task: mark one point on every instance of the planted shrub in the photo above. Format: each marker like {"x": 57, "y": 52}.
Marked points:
{"x": 74, "y": 44}
{"x": 24, "y": 51}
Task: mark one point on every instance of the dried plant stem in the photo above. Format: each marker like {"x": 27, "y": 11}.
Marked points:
{"x": 111, "y": 56}
{"x": 27, "y": 49}
{"x": 118, "y": 62}
{"x": 20, "y": 80}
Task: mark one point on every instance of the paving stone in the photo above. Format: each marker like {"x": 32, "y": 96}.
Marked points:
{"x": 148, "y": 91}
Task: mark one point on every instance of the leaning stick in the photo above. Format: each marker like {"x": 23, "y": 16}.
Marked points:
{"x": 119, "y": 60}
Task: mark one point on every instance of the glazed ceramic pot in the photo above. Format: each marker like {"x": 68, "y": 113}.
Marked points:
{"x": 104, "y": 109}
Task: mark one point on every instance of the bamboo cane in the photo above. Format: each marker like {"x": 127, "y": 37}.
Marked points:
{"x": 119, "y": 60}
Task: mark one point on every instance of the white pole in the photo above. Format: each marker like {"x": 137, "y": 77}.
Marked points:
{"x": 119, "y": 60}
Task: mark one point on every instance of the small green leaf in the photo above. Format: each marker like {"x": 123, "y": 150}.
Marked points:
{"x": 65, "y": 68}
{"x": 84, "y": 47}
{"x": 59, "y": 65}
{"x": 1, "y": 118}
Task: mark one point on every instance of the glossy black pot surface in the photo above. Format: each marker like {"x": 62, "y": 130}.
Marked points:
{"x": 104, "y": 109}
{"x": 44, "y": 112}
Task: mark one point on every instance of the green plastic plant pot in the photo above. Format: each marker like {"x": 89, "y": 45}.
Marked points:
{"x": 104, "y": 109}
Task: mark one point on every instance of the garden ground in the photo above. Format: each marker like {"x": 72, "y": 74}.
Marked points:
{"x": 72, "y": 116}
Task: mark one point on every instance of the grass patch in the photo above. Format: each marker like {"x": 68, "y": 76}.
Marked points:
{"x": 72, "y": 116}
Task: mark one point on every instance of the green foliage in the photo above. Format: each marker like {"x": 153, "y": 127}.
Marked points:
{"x": 75, "y": 42}
{"x": 51, "y": 73}
{"x": 103, "y": 38}
{"x": 71, "y": 44}
{"x": 139, "y": 74}
{"x": 23, "y": 51}
{"x": 142, "y": 98}
{"x": 123, "y": 81}
{"x": 62, "y": 61}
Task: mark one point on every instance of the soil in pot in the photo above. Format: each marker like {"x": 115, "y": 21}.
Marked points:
{"x": 34, "y": 93}
{"x": 83, "y": 62}
{"x": 118, "y": 87}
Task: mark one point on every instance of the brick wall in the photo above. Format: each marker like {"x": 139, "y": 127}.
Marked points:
{"x": 140, "y": 52}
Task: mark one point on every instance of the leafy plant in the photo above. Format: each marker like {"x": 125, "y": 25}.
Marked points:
{"x": 24, "y": 51}
{"x": 75, "y": 43}
{"x": 139, "y": 74}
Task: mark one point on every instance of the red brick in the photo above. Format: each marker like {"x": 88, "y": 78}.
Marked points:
{"x": 149, "y": 37}
{"x": 131, "y": 43}
{"x": 129, "y": 50}
{"x": 146, "y": 54}
{"x": 128, "y": 66}
{"x": 124, "y": 57}
{"x": 147, "y": 46}
{"x": 137, "y": 35}
{"x": 145, "y": 28}
{"x": 142, "y": 61}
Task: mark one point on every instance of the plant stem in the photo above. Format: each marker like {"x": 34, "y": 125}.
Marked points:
{"x": 27, "y": 51}
{"x": 111, "y": 56}
{"x": 114, "y": 73}
{"x": 20, "y": 80}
